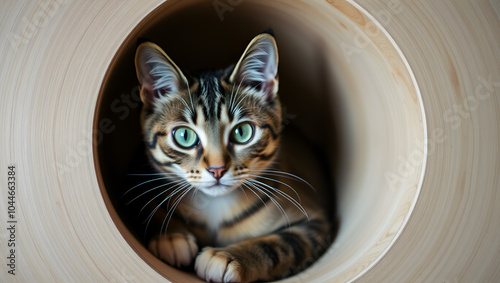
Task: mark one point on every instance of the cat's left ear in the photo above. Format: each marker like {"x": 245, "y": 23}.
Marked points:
{"x": 258, "y": 67}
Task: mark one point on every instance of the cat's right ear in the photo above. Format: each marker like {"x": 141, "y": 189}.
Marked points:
{"x": 157, "y": 73}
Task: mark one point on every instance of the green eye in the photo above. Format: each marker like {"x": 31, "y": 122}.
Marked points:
{"x": 185, "y": 137}
{"x": 242, "y": 133}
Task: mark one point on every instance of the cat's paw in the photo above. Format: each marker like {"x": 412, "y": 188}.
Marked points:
{"x": 175, "y": 249}
{"x": 216, "y": 265}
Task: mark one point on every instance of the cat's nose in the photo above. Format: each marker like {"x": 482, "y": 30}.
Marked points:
{"x": 217, "y": 171}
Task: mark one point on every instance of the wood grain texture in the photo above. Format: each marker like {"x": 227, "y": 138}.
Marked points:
{"x": 444, "y": 56}
{"x": 452, "y": 235}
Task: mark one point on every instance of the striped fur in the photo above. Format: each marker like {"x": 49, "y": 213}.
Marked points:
{"x": 235, "y": 211}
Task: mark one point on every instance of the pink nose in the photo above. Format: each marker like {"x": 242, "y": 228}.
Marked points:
{"x": 217, "y": 172}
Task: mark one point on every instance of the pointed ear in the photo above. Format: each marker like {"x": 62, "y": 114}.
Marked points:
{"x": 157, "y": 73}
{"x": 258, "y": 67}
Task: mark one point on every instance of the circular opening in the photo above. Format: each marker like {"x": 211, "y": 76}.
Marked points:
{"x": 343, "y": 83}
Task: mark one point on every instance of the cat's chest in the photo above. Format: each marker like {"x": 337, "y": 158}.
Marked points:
{"x": 227, "y": 219}
{"x": 219, "y": 210}
{"x": 209, "y": 211}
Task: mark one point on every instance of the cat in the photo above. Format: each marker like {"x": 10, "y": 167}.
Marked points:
{"x": 234, "y": 207}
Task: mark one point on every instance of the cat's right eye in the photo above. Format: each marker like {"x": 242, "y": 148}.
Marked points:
{"x": 185, "y": 137}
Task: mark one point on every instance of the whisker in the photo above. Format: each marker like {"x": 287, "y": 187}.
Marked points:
{"x": 248, "y": 187}
{"x": 149, "y": 181}
{"x": 241, "y": 109}
{"x": 160, "y": 186}
{"x": 276, "y": 203}
{"x": 270, "y": 179}
{"x": 235, "y": 95}
{"x": 286, "y": 196}
{"x": 231, "y": 97}
{"x": 194, "y": 193}
{"x": 150, "y": 217}
{"x": 156, "y": 174}
{"x": 193, "y": 110}
{"x": 241, "y": 100}
{"x": 281, "y": 173}
{"x": 171, "y": 211}
{"x": 183, "y": 101}
{"x": 175, "y": 188}
{"x": 247, "y": 108}
{"x": 243, "y": 190}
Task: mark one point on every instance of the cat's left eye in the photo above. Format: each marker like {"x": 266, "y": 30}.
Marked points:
{"x": 242, "y": 133}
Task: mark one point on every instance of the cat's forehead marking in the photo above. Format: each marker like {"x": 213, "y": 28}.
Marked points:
{"x": 211, "y": 96}
{"x": 200, "y": 117}
{"x": 224, "y": 117}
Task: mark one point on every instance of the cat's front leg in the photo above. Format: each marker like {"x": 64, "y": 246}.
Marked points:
{"x": 220, "y": 265}
{"x": 265, "y": 258}
{"x": 176, "y": 249}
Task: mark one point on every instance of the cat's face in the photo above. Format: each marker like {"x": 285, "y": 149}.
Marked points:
{"x": 213, "y": 131}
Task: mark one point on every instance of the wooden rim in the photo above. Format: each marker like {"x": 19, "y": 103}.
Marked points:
{"x": 57, "y": 56}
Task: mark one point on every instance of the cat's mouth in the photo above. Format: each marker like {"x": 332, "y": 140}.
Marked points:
{"x": 217, "y": 188}
{"x": 217, "y": 185}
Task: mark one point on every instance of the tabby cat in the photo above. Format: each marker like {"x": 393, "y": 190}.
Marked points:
{"x": 233, "y": 206}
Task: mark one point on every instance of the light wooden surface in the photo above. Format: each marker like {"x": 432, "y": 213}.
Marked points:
{"x": 444, "y": 227}
{"x": 453, "y": 233}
